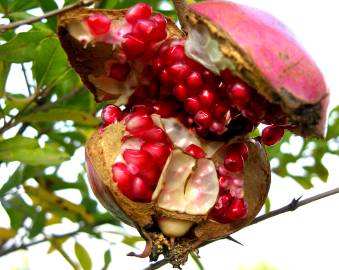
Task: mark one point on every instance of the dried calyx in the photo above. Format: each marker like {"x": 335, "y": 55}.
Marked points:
{"x": 176, "y": 162}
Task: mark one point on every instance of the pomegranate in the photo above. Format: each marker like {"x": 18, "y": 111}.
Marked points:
{"x": 177, "y": 162}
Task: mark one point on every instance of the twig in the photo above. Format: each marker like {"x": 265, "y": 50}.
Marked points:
{"x": 26, "y": 79}
{"x": 181, "y": 9}
{"x": 81, "y": 3}
{"x": 293, "y": 205}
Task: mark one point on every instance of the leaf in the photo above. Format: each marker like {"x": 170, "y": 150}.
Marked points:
{"x": 50, "y": 202}
{"x": 83, "y": 256}
{"x": 131, "y": 240}
{"x": 39, "y": 222}
{"x": 107, "y": 259}
{"x": 109, "y": 4}
{"x": 39, "y": 156}
{"x": 57, "y": 242}
{"x": 4, "y": 70}
{"x": 14, "y": 181}
{"x": 197, "y": 261}
{"x": 50, "y": 63}
{"x": 53, "y": 115}
{"x": 18, "y": 142}
{"x": 267, "y": 205}
{"x": 6, "y": 234}
{"x": 20, "y": 5}
{"x": 22, "y": 47}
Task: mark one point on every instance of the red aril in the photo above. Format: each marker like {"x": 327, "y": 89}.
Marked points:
{"x": 180, "y": 92}
{"x": 194, "y": 81}
{"x": 220, "y": 207}
{"x": 111, "y": 114}
{"x": 195, "y": 151}
{"x": 139, "y": 123}
{"x": 203, "y": 118}
{"x": 138, "y": 12}
{"x": 163, "y": 109}
{"x": 240, "y": 94}
{"x": 241, "y": 148}
{"x": 234, "y": 162}
{"x": 160, "y": 21}
{"x": 206, "y": 98}
{"x": 192, "y": 105}
{"x": 141, "y": 192}
{"x": 159, "y": 151}
{"x": 139, "y": 158}
{"x": 271, "y": 135}
{"x": 132, "y": 46}
{"x": 237, "y": 210}
{"x": 154, "y": 134}
{"x": 98, "y": 24}
{"x": 143, "y": 29}
{"x": 179, "y": 71}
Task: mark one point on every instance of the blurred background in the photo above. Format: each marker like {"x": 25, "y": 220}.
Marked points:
{"x": 49, "y": 217}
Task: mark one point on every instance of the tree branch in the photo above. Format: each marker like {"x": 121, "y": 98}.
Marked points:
{"x": 81, "y": 3}
{"x": 181, "y": 9}
{"x": 293, "y": 205}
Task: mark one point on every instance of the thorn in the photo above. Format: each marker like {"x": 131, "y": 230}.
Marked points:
{"x": 294, "y": 204}
{"x": 234, "y": 240}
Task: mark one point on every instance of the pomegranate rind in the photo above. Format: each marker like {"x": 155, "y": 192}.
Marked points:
{"x": 103, "y": 148}
{"x": 90, "y": 61}
{"x": 269, "y": 58}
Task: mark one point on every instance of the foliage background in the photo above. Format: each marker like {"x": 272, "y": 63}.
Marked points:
{"x": 44, "y": 125}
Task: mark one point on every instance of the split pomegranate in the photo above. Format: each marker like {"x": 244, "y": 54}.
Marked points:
{"x": 176, "y": 160}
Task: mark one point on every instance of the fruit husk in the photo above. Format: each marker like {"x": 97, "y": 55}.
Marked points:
{"x": 90, "y": 60}
{"x": 268, "y": 57}
{"x": 101, "y": 151}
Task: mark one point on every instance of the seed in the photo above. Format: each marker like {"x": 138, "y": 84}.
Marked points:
{"x": 143, "y": 29}
{"x": 159, "y": 151}
{"x": 203, "y": 118}
{"x": 180, "y": 92}
{"x": 234, "y": 162}
{"x": 139, "y": 158}
{"x": 133, "y": 47}
{"x": 111, "y": 114}
{"x": 220, "y": 208}
{"x": 154, "y": 134}
{"x": 241, "y": 148}
{"x": 240, "y": 94}
{"x": 137, "y": 12}
{"x": 174, "y": 54}
{"x": 237, "y": 210}
{"x": 98, "y": 24}
{"x": 271, "y": 135}
{"x": 195, "y": 151}
{"x": 140, "y": 190}
{"x": 159, "y": 20}
{"x": 163, "y": 109}
{"x": 139, "y": 123}
{"x": 119, "y": 71}
{"x": 194, "y": 81}
{"x": 192, "y": 105}
{"x": 123, "y": 177}
{"x": 179, "y": 71}
{"x": 206, "y": 98}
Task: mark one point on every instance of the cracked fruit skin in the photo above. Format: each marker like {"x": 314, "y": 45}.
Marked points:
{"x": 190, "y": 102}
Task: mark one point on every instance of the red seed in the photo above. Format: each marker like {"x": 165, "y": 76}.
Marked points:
{"x": 159, "y": 20}
{"x": 195, "y": 151}
{"x": 139, "y": 158}
{"x": 150, "y": 176}
{"x": 139, "y": 123}
{"x": 143, "y": 29}
{"x": 154, "y": 134}
{"x": 271, "y": 135}
{"x": 119, "y": 71}
{"x": 180, "y": 92}
{"x": 227, "y": 76}
{"x": 209, "y": 77}
{"x": 218, "y": 127}
{"x": 141, "y": 109}
{"x": 133, "y": 47}
{"x": 194, "y": 81}
{"x": 163, "y": 109}
{"x": 141, "y": 191}
{"x": 241, "y": 148}
{"x": 174, "y": 54}
{"x": 165, "y": 77}
{"x": 111, "y": 114}
{"x": 157, "y": 64}
{"x": 158, "y": 34}
{"x": 137, "y": 12}
{"x": 237, "y": 210}
{"x": 234, "y": 162}
{"x": 240, "y": 94}
{"x": 219, "y": 111}
{"x": 220, "y": 207}
{"x": 203, "y": 118}
{"x": 179, "y": 71}
{"x": 123, "y": 177}
{"x": 158, "y": 150}
{"x": 206, "y": 98}
{"x": 192, "y": 105}
{"x": 98, "y": 24}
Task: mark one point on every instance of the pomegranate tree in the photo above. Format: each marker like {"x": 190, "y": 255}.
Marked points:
{"x": 173, "y": 157}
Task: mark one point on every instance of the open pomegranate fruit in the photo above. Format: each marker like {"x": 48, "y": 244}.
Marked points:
{"x": 173, "y": 157}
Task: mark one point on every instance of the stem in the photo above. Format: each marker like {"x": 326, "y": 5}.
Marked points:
{"x": 26, "y": 79}
{"x": 81, "y": 3}
{"x": 181, "y": 9}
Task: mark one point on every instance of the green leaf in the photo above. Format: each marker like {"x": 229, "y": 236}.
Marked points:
{"x": 109, "y": 4}
{"x": 83, "y": 256}
{"x": 107, "y": 259}
{"x": 39, "y": 156}
{"x": 14, "y": 181}
{"x": 267, "y": 205}
{"x": 131, "y": 240}
{"x": 62, "y": 115}
{"x": 48, "y": 6}
{"x": 38, "y": 225}
{"x": 50, "y": 63}
{"x": 22, "y": 47}
{"x": 20, "y": 5}
{"x": 18, "y": 142}
{"x": 197, "y": 261}
{"x": 4, "y": 70}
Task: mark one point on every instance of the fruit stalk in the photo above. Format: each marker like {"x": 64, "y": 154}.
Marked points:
{"x": 181, "y": 8}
